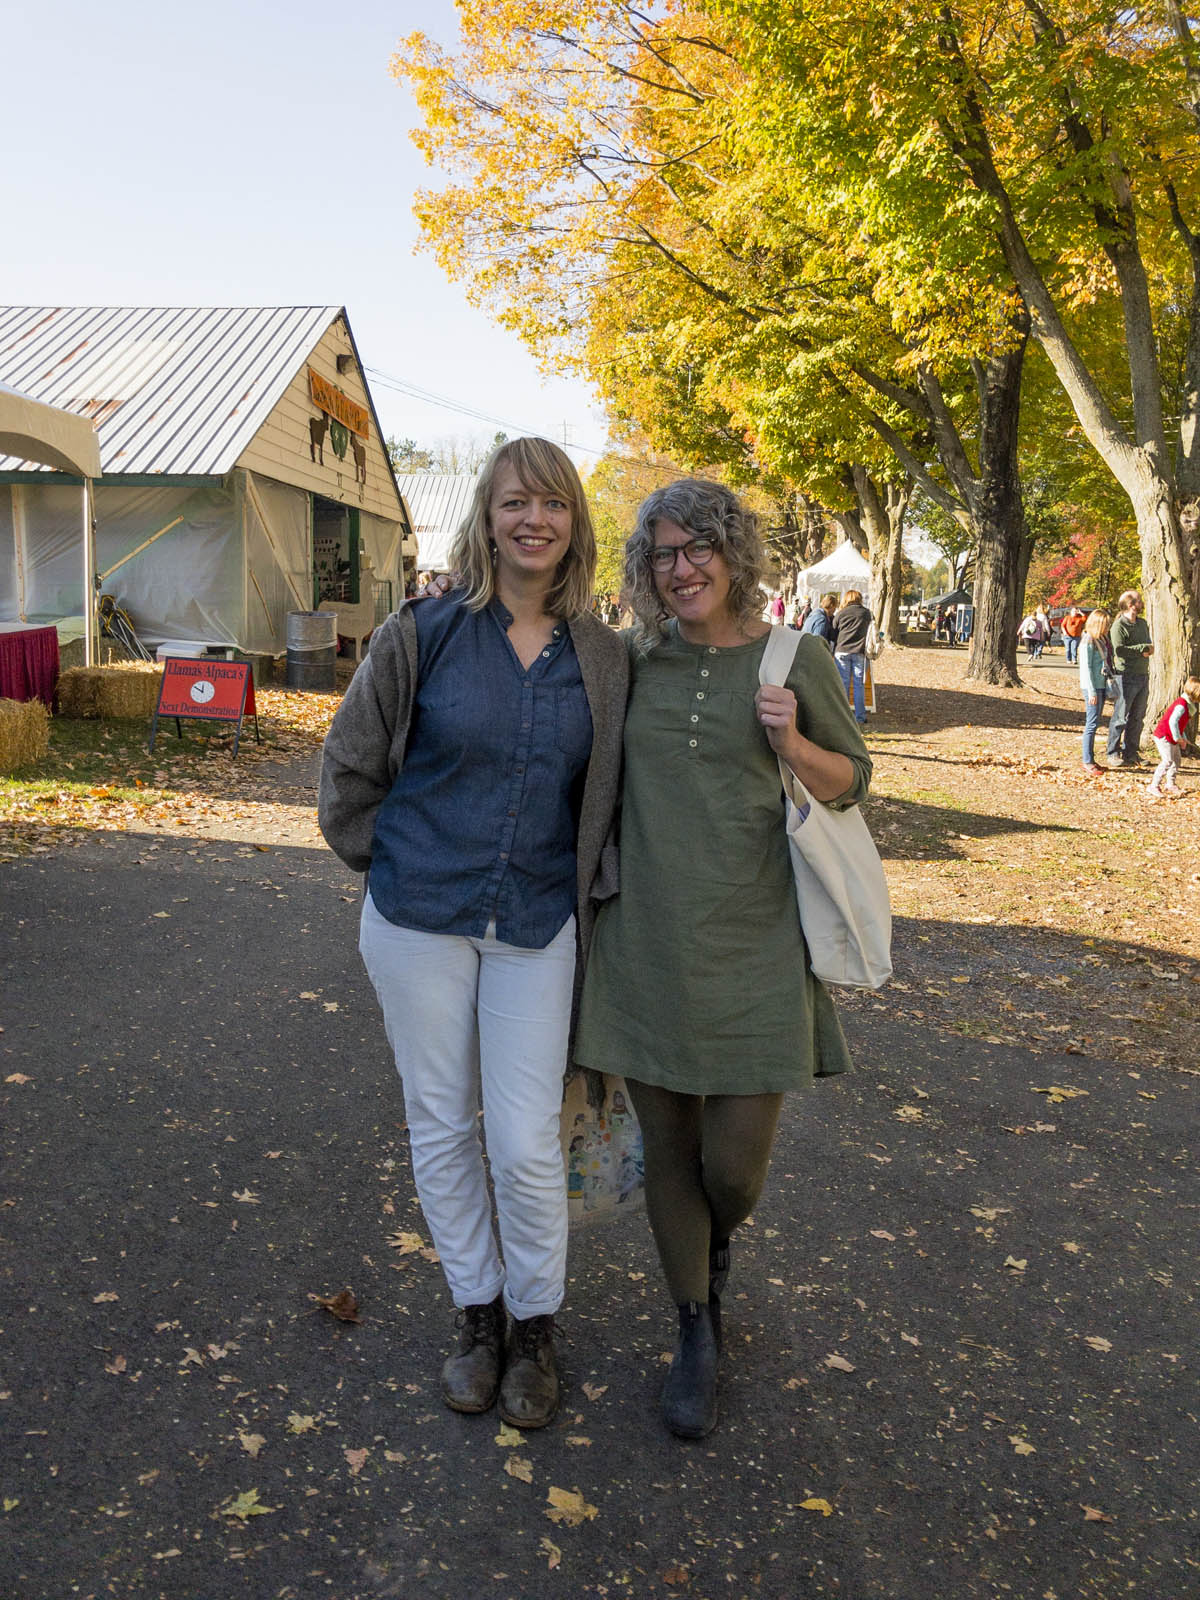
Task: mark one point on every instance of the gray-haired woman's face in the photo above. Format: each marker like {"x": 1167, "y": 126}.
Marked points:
{"x": 694, "y": 592}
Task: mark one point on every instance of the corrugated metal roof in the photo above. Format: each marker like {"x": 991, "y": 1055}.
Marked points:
{"x": 437, "y": 502}
{"x": 173, "y": 390}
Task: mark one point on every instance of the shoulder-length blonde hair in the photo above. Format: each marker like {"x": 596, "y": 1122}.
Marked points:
{"x": 542, "y": 469}
{"x": 1097, "y": 624}
{"x": 852, "y": 597}
{"x": 707, "y": 511}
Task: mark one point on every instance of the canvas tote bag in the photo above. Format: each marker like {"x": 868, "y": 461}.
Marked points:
{"x": 840, "y": 887}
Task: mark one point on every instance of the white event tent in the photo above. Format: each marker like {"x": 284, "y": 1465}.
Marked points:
{"x": 842, "y": 569}
{"x": 34, "y": 431}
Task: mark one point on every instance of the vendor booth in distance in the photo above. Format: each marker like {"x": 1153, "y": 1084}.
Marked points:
{"x": 244, "y": 475}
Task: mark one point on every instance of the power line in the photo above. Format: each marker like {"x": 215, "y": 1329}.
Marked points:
{"x": 413, "y": 392}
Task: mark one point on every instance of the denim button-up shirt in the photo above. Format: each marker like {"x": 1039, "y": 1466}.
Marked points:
{"x": 480, "y": 823}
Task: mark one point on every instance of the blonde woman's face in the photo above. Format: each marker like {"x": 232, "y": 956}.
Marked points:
{"x": 531, "y": 528}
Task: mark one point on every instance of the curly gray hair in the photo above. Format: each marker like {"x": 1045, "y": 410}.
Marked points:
{"x": 708, "y": 511}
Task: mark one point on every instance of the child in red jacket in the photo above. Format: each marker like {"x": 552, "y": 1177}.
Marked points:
{"x": 1171, "y": 738}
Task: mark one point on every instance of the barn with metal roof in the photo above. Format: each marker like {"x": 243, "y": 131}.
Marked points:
{"x": 438, "y": 502}
{"x": 244, "y": 474}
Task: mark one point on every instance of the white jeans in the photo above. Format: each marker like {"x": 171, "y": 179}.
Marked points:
{"x": 1167, "y": 770}
{"x": 462, "y": 1014}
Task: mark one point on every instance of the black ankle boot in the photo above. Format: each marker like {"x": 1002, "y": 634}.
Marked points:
{"x": 689, "y": 1397}
{"x": 529, "y": 1389}
{"x": 718, "y": 1276}
{"x": 471, "y": 1377}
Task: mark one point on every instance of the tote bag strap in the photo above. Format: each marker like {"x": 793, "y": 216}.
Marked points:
{"x": 774, "y": 667}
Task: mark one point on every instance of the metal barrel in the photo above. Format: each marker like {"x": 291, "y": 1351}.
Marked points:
{"x": 311, "y": 650}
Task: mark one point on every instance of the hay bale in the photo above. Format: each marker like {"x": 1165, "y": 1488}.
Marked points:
{"x": 129, "y": 691}
{"x": 24, "y": 733}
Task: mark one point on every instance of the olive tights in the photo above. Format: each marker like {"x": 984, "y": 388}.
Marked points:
{"x": 706, "y": 1162}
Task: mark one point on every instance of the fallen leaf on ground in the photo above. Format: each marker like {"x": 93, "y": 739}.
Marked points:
{"x": 815, "y": 1503}
{"x": 578, "y": 1439}
{"x": 1090, "y": 1514}
{"x": 342, "y": 1305}
{"x": 298, "y": 1424}
{"x": 1021, "y": 1446}
{"x": 882, "y": 1233}
{"x": 356, "y": 1460}
{"x": 246, "y": 1505}
{"x": 18, "y": 1077}
{"x": 105, "y": 1294}
{"x": 116, "y": 1366}
{"x": 839, "y": 1363}
{"x": 1097, "y": 1343}
{"x": 507, "y": 1436}
{"x": 407, "y": 1243}
{"x": 677, "y": 1576}
{"x": 568, "y": 1506}
{"x": 1014, "y": 1265}
{"x": 551, "y": 1551}
{"x": 1056, "y": 1094}
{"x": 595, "y": 1390}
{"x": 519, "y": 1467}
{"x": 989, "y": 1213}
{"x": 252, "y": 1443}
{"x": 246, "y": 1196}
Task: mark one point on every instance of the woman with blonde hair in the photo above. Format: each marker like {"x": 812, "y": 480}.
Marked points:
{"x": 1095, "y": 680}
{"x": 471, "y": 772}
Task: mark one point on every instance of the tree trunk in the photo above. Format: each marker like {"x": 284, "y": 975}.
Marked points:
{"x": 999, "y": 520}
{"x": 1167, "y": 590}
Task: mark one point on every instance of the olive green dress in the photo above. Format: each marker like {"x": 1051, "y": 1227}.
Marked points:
{"x": 698, "y": 978}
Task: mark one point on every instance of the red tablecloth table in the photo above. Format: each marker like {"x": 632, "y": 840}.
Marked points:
{"x": 28, "y": 662}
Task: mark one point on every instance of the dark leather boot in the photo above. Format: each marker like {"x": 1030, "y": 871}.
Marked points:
{"x": 471, "y": 1377}
{"x": 689, "y": 1397}
{"x": 529, "y": 1391}
{"x": 718, "y": 1276}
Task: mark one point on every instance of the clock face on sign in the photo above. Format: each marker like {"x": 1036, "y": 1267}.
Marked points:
{"x": 202, "y": 691}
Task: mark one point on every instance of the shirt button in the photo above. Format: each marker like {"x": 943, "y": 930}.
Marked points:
{"x": 704, "y": 672}
{"x": 692, "y": 742}
{"x": 512, "y": 813}
{"x": 712, "y": 649}
{"x": 504, "y": 855}
{"x": 695, "y": 718}
{"x": 545, "y": 653}
{"x": 700, "y": 694}
{"x": 524, "y": 727}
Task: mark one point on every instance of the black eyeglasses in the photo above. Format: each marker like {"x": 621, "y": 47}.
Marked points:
{"x": 699, "y": 552}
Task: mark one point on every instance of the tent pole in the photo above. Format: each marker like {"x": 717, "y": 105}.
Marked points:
{"x": 89, "y": 578}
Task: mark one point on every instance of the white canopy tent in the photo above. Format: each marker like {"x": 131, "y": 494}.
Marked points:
{"x": 34, "y": 431}
{"x": 842, "y": 569}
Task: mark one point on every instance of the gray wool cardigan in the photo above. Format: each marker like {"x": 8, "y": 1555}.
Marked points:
{"x": 364, "y": 750}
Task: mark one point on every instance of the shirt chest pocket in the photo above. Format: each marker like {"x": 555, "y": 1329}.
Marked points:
{"x": 573, "y": 724}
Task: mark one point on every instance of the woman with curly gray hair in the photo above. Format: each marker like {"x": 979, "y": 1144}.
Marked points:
{"x": 699, "y": 989}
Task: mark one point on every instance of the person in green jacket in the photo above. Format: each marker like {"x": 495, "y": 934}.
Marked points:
{"x": 1132, "y": 650}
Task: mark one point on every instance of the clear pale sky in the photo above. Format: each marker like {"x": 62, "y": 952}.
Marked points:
{"x": 252, "y": 154}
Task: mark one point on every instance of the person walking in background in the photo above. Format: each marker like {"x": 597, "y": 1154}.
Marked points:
{"x": 820, "y": 621}
{"x": 1171, "y": 735}
{"x": 850, "y": 628}
{"x": 776, "y": 609}
{"x": 1072, "y": 628}
{"x": 699, "y": 988}
{"x": 1132, "y": 650}
{"x": 1029, "y": 634}
{"x": 1095, "y": 679}
{"x": 471, "y": 772}
{"x": 1045, "y": 629}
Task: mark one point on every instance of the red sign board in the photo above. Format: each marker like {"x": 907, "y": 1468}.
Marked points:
{"x": 213, "y": 691}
